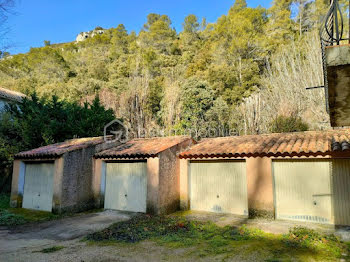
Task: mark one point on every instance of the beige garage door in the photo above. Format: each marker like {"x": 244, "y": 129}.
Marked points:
{"x": 218, "y": 186}
{"x": 341, "y": 191}
{"x": 126, "y": 186}
{"x": 303, "y": 190}
{"x": 38, "y": 186}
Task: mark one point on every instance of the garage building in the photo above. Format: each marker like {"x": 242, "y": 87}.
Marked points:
{"x": 56, "y": 177}
{"x": 141, "y": 175}
{"x": 301, "y": 176}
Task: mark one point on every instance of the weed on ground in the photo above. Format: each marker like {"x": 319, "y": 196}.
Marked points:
{"x": 211, "y": 240}
{"x": 51, "y": 249}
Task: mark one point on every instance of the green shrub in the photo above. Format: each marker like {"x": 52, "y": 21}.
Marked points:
{"x": 39, "y": 122}
{"x": 284, "y": 124}
{"x": 4, "y": 201}
{"x": 9, "y": 219}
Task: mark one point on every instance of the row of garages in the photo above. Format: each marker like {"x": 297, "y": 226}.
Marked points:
{"x": 299, "y": 176}
{"x": 313, "y": 190}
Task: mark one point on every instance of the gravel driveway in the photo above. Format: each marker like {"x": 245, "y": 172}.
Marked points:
{"x": 34, "y": 237}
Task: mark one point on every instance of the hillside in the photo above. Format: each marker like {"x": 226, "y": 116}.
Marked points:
{"x": 240, "y": 73}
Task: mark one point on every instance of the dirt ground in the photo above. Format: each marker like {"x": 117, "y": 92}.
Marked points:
{"x": 22, "y": 240}
{"x": 24, "y": 243}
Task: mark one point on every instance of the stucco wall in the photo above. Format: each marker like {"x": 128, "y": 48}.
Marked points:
{"x": 16, "y": 195}
{"x": 152, "y": 201}
{"x": 260, "y": 187}
{"x": 76, "y": 186}
{"x": 96, "y": 183}
{"x": 184, "y": 193}
{"x": 169, "y": 178}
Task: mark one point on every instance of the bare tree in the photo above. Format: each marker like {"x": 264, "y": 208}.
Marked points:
{"x": 284, "y": 91}
{"x": 6, "y": 9}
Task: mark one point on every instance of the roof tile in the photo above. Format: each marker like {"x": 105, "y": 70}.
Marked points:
{"x": 142, "y": 147}
{"x": 56, "y": 150}
{"x": 298, "y": 143}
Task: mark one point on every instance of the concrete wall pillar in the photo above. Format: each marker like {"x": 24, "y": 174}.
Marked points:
{"x": 57, "y": 185}
{"x": 17, "y": 186}
{"x": 260, "y": 187}
{"x": 184, "y": 192}
{"x": 169, "y": 182}
{"x": 152, "y": 185}
{"x": 98, "y": 174}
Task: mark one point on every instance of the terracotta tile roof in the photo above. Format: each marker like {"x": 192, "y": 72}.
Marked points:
{"x": 56, "y": 150}
{"x": 310, "y": 143}
{"x": 11, "y": 95}
{"x": 142, "y": 147}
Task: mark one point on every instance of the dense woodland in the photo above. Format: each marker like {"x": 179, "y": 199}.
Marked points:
{"x": 247, "y": 72}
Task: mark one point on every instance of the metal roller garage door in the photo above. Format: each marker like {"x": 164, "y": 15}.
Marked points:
{"x": 341, "y": 191}
{"x": 218, "y": 186}
{"x": 38, "y": 186}
{"x": 126, "y": 186}
{"x": 303, "y": 190}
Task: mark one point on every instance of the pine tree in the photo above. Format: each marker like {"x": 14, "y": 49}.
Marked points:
{"x": 239, "y": 5}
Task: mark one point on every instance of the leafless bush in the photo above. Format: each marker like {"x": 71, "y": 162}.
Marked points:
{"x": 283, "y": 92}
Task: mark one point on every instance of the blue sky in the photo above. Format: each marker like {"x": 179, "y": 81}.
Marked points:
{"x": 60, "y": 21}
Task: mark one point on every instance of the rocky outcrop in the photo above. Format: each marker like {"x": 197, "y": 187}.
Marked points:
{"x": 85, "y": 35}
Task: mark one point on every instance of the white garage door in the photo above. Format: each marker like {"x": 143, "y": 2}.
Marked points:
{"x": 126, "y": 186}
{"x": 219, "y": 186}
{"x": 303, "y": 190}
{"x": 341, "y": 191}
{"x": 38, "y": 186}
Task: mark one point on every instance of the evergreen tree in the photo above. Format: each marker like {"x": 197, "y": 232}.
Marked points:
{"x": 239, "y": 5}
{"x": 191, "y": 24}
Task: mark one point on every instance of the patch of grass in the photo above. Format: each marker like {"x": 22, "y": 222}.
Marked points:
{"x": 211, "y": 240}
{"x": 301, "y": 237}
{"x": 18, "y": 216}
{"x": 9, "y": 219}
{"x": 51, "y": 249}
{"x": 34, "y": 215}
